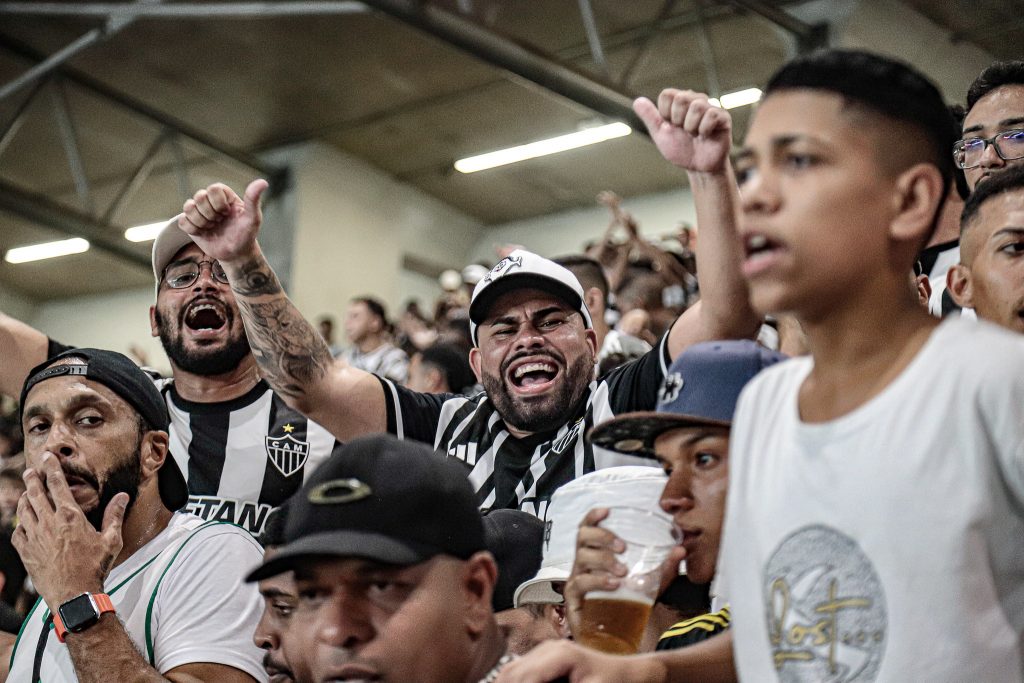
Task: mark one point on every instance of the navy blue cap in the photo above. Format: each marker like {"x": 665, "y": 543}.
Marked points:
{"x": 701, "y": 388}
{"x": 516, "y": 539}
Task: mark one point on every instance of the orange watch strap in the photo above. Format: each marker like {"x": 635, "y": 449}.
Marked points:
{"x": 103, "y": 603}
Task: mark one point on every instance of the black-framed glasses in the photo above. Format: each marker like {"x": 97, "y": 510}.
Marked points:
{"x": 185, "y": 273}
{"x": 1009, "y": 145}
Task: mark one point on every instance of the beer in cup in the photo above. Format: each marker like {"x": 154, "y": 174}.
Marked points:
{"x": 614, "y": 621}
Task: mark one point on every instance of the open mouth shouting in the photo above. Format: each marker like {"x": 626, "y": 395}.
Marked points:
{"x": 205, "y": 318}
{"x": 533, "y": 374}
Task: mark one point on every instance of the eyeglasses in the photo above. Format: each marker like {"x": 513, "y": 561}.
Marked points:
{"x": 185, "y": 273}
{"x": 1008, "y": 145}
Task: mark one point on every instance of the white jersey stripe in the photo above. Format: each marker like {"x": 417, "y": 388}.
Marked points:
{"x": 247, "y": 433}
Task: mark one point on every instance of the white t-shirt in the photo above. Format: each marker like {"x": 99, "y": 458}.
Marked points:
{"x": 181, "y": 598}
{"x": 888, "y": 544}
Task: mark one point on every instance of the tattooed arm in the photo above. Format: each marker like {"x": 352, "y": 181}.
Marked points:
{"x": 291, "y": 355}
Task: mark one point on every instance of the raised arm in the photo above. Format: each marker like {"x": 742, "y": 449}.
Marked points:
{"x": 696, "y": 137}
{"x": 24, "y": 348}
{"x": 291, "y": 355}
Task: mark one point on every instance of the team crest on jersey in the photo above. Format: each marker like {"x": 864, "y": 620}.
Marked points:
{"x": 287, "y": 453}
{"x": 503, "y": 266}
{"x": 567, "y": 439}
{"x": 670, "y": 388}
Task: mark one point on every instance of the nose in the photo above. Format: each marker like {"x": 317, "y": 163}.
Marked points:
{"x": 990, "y": 157}
{"x": 758, "y": 193}
{"x": 265, "y": 637}
{"x": 677, "y": 497}
{"x": 59, "y": 440}
{"x": 205, "y": 281}
{"x": 344, "y": 621}
{"x": 528, "y": 337}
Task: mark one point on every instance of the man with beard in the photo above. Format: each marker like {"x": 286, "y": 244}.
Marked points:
{"x": 534, "y": 343}
{"x": 242, "y": 449}
{"x": 130, "y": 588}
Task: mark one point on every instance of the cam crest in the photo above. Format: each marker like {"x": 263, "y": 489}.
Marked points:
{"x": 287, "y": 453}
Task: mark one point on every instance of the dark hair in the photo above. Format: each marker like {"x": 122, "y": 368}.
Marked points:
{"x": 451, "y": 361}
{"x": 12, "y": 568}
{"x": 885, "y": 86}
{"x": 995, "y": 75}
{"x": 273, "y": 530}
{"x": 959, "y": 179}
{"x": 587, "y": 270}
{"x": 13, "y": 475}
{"x": 375, "y": 306}
{"x": 1006, "y": 180}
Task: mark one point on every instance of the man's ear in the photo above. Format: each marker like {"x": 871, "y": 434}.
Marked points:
{"x": 479, "y": 579}
{"x": 592, "y": 342}
{"x": 958, "y": 282}
{"x": 154, "y": 329}
{"x": 155, "y": 449}
{"x": 436, "y": 382}
{"x": 594, "y": 300}
{"x": 474, "y": 362}
{"x": 918, "y": 200}
{"x": 555, "y": 614}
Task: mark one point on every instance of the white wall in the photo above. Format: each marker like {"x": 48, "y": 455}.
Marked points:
{"x": 566, "y": 232}
{"x": 16, "y": 305}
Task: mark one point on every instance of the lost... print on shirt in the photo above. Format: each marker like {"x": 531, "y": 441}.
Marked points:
{"x": 825, "y": 608}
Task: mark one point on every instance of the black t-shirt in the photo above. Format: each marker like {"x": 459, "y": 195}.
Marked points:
{"x": 507, "y": 472}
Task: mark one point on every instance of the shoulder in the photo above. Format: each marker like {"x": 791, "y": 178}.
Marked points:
{"x": 202, "y": 541}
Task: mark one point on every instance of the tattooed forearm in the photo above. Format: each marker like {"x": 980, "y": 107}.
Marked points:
{"x": 256, "y": 279}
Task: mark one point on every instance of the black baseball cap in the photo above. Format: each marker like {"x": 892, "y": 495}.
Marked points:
{"x": 701, "y": 388}
{"x": 118, "y": 373}
{"x": 384, "y": 499}
{"x": 516, "y": 539}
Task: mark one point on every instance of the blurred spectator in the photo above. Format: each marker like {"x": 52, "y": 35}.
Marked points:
{"x": 11, "y": 488}
{"x": 325, "y": 326}
{"x": 12, "y": 583}
{"x": 366, "y": 326}
{"x": 441, "y": 369}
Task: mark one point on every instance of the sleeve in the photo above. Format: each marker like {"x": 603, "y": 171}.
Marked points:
{"x": 411, "y": 414}
{"x": 635, "y": 385}
{"x": 204, "y": 611}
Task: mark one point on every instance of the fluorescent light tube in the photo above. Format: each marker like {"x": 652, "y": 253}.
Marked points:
{"x": 144, "y": 233}
{"x": 562, "y": 143}
{"x": 741, "y": 98}
{"x": 38, "y": 252}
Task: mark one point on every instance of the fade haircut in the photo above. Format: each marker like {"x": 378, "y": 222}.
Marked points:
{"x": 452, "y": 362}
{"x": 996, "y": 75}
{"x": 885, "y": 87}
{"x": 1006, "y": 180}
{"x": 587, "y": 270}
{"x": 375, "y": 307}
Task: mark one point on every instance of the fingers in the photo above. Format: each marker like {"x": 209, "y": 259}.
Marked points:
{"x": 690, "y": 111}
{"x": 35, "y": 493}
{"x": 648, "y": 113}
{"x": 546, "y": 662}
{"x": 113, "y": 518}
{"x": 56, "y": 484}
{"x": 208, "y": 207}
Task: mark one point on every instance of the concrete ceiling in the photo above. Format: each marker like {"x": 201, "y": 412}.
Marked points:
{"x": 365, "y": 82}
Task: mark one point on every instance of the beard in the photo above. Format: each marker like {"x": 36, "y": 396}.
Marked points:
{"x": 540, "y": 414}
{"x": 203, "y": 361}
{"x": 124, "y": 478}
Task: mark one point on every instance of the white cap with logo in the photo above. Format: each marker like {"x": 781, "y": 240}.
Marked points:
{"x": 169, "y": 242}
{"x": 525, "y": 270}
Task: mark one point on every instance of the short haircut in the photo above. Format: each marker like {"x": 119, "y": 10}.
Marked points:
{"x": 995, "y": 75}
{"x": 587, "y": 270}
{"x": 375, "y": 306}
{"x": 884, "y": 86}
{"x": 273, "y": 530}
{"x": 959, "y": 179}
{"x": 1006, "y": 180}
{"x": 451, "y": 361}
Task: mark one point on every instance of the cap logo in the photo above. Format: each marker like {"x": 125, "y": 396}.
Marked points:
{"x": 337, "y": 491}
{"x": 670, "y": 388}
{"x": 503, "y": 266}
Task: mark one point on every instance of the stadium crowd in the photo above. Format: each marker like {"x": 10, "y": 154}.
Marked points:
{"x": 786, "y": 443}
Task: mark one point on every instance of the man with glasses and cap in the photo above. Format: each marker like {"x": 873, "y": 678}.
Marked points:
{"x": 242, "y": 449}
{"x": 131, "y": 588}
{"x": 534, "y": 344}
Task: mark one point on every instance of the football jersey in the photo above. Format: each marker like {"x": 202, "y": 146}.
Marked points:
{"x": 522, "y": 474}
{"x": 243, "y": 457}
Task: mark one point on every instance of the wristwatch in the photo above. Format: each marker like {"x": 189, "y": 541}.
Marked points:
{"x": 78, "y": 614}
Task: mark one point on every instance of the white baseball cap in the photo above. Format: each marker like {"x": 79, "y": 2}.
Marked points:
{"x": 633, "y": 486}
{"x": 525, "y": 270}
{"x": 169, "y": 242}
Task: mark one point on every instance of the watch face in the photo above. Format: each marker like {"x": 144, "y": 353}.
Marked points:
{"x": 79, "y": 613}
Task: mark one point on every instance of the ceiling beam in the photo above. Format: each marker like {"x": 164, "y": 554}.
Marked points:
{"x": 44, "y": 211}
{"x": 808, "y": 36}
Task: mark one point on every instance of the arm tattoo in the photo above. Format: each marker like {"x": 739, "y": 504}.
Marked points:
{"x": 289, "y": 352}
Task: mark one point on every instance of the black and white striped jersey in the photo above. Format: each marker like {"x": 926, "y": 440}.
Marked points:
{"x": 523, "y": 473}
{"x": 243, "y": 457}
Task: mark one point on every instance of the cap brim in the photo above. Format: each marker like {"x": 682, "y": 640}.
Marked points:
{"x": 346, "y": 543}
{"x": 634, "y": 433}
{"x": 538, "y": 590}
{"x": 481, "y": 305}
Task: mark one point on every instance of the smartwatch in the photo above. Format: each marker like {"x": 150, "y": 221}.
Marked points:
{"x": 78, "y": 614}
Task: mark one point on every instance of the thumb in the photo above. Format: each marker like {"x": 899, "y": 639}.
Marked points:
{"x": 670, "y": 567}
{"x": 113, "y": 516}
{"x": 252, "y": 195}
{"x": 648, "y": 113}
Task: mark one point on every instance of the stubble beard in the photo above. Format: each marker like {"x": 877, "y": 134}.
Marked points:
{"x": 545, "y": 414}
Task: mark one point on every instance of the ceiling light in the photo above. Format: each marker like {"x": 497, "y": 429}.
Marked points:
{"x": 38, "y": 252}
{"x": 562, "y": 143}
{"x": 737, "y": 99}
{"x": 144, "y": 233}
